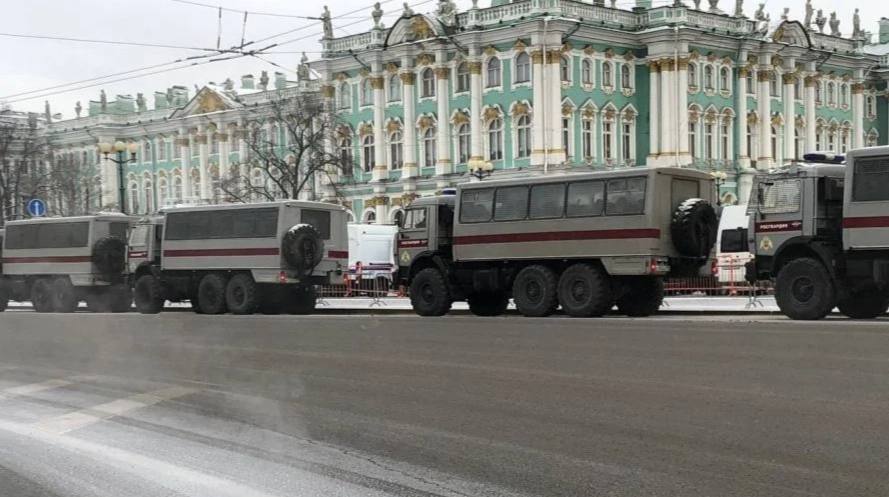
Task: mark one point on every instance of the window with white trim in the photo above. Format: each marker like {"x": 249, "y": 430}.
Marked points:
{"x": 495, "y": 139}
{"x": 626, "y": 81}
{"x": 523, "y": 137}
{"x": 367, "y": 92}
{"x": 367, "y": 146}
{"x": 394, "y": 88}
{"x": 587, "y": 138}
{"x": 396, "y": 150}
{"x": 464, "y": 139}
{"x": 427, "y": 80}
{"x": 463, "y": 77}
{"x": 429, "y": 148}
{"x": 586, "y": 71}
{"x": 493, "y": 73}
{"x": 522, "y": 68}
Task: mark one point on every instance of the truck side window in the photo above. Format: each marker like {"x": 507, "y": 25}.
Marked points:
{"x": 625, "y": 196}
{"x": 586, "y": 198}
{"x": 871, "y": 179}
{"x": 415, "y": 219}
{"x": 511, "y": 203}
{"x": 476, "y": 206}
{"x": 319, "y": 219}
{"x": 780, "y": 196}
{"x": 547, "y": 201}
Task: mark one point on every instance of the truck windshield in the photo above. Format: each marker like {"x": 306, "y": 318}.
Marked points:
{"x": 777, "y": 196}
{"x": 139, "y": 236}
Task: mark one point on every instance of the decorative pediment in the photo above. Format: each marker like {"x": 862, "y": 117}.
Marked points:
{"x": 391, "y": 68}
{"x": 425, "y": 122}
{"x": 609, "y": 53}
{"x": 491, "y": 112}
{"x": 520, "y": 108}
{"x": 425, "y": 59}
{"x": 412, "y": 29}
{"x": 791, "y": 33}
{"x": 365, "y": 129}
{"x": 567, "y": 47}
{"x": 519, "y": 45}
{"x": 392, "y": 126}
{"x": 490, "y": 50}
{"x": 206, "y": 101}
{"x": 459, "y": 117}
{"x": 589, "y": 50}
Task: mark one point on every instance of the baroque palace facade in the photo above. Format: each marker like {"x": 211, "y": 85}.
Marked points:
{"x": 527, "y": 87}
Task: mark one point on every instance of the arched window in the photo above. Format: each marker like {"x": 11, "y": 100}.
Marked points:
{"x": 693, "y": 138}
{"x": 844, "y": 100}
{"x": 493, "y": 72}
{"x": 724, "y": 137}
{"x": 565, "y": 69}
{"x": 463, "y": 143}
{"x": 398, "y": 218}
{"x": 627, "y": 142}
{"x": 724, "y": 80}
{"x": 134, "y": 198}
{"x": 429, "y": 152}
{"x": 427, "y": 78}
{"x": 367, "y": 92}
{"x": 177, "y": 188}
{"x": 608, "y": 139}
{"x": 345, "y": 96}
{"x": 871, "y": 140}
{"x": 163, "y": 191}
{"x": 195, "y": 183}
{"x": 463, "y": 77}
{"x": 607, "y": 74}
{"x": 257, "y": 184}
{"x": 708, "y": 77}
{"x": 214, "y": 143}
{"x": 626, "y": 82}
{"x": 566, "y": 136}
{"x": 367, "y": 145}
{"x": 844, "y": 140}
{"x": 522, "y": 68}
{"x": 396, "y": 155}
{"x": 394, "y": 88}
{"x": 370, "y": 217}
{"x": 161, "y": 151}
{"x": 523, "y": 137}
{"x": 708, "y": 141}
{"x": 346, "y": 160}
{"x": 587, "y": 138}
{"x": 149, "y": 197}
{"x": 750, "y": 141}
{"x": 495, "y": 139}
{"x": 831, "y": 94}
{"x": 751, "y": 87}
{"x": 819, "y": 93}
{"x": 693, "y": 75}
{"x": 774, "y": 142}
{"x": 586, "y": 71}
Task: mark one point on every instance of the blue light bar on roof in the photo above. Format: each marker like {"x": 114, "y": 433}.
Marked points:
{"x": 825, "y": 157}
{"x": 448, "y": 191}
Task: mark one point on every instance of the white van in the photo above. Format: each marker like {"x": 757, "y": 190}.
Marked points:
{"x": 372, "y": 250}
{"x": 732, "y": 248}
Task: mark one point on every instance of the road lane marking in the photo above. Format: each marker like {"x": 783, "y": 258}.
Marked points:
{"x": 65, "y": 423}
{"x": 33, "y": 388}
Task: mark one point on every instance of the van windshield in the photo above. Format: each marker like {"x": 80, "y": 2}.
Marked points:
{"x": 139, "y": 236}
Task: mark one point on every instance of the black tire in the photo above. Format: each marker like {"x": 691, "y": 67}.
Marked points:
{"x": 211, "y": 294}
{"x": 4, "y": 297}
{"x": 643, "y": 297}
{"x": 302, "y": 248}
{"x": 64, "y": 296}
{"x": 120, "y": 298}
{"x": 865, "y": 305}
{"x": 241, "y": 296}
{"x": 109, "y": 256}
{"x": 488, "y": 303}
{"x": 300, "y": 299}
{"x": 585, "y": 291}
{"x": 804, "y": 290}
{"x": 694, "y": 227}
{"x": 430, "y": 295}
{"x": 148, "y": 294}
{"x": 41, "y": 296}
{"x": 534, "y": 291}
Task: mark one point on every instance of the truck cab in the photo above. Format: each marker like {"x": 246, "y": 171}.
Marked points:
{"x": 425, "y": 234}
{"x": 144, "y": 247}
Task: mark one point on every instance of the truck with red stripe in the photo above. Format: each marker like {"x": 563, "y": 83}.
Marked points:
{"x": 820, "y": 230}
{"x": 239, "y": 258}
{"x": 584, "y": 242}
{"x": 58, "y": 262}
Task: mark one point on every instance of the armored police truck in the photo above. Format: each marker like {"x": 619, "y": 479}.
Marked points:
{"x": 820, "y": 229}
{"x": 58, "y": 262}
{"x": 238, "y": 257}
{"x": 584, "y": 241}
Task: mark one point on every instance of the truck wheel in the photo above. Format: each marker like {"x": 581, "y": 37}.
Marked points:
{"x": 865, "y": 305}
{"x": 694, "y": 227}
{"x": 804, "y": 290}
{"x": 148, "y": 294}
{"x": 211, "y": 294}
{"x": 120, "y": 298}
{"x": 534, "y": 291}
{"x": 240, "y": 294}
{"x": 584, "y": 291}
{"x": 643, "y": 298}
{"x": 430, "y": 295}
{"x": 64, "y": 298}
{"x": 300, "y": 299}
{"x": 488, "y": 303}
{"x": 4, "y": 298}
{"x": 41, "y": 296}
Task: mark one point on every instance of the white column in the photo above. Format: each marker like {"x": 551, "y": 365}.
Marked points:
{"x": 331, "y": 147}
{"x": 539, "y": 143}
{"x": 763, "y": 96}
{"x": 108, "y": 171}
{"x": 681, "y": 90}
{"x": 789, "y": 80}
{"x": 654, "y": 123}
{"x": 443, "y": 163}
{"x": 224, "y": 148}
{"x": 185, "y": 163}
{"x": 409, "y": 147}
{"x": 380, "y": 172}
{"x": 811, "y": 81}
{"x": 667, "y": 137}
{"x": 203, "y": 157}
{"x": 857, "y": 115}
{"x": 556, "y": 148}
{"x": 741, "y": 119}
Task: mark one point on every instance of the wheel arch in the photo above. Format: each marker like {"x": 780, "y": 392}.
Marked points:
{"x": 796, "y": 248}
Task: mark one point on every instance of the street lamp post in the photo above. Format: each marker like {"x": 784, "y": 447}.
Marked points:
{"x": 120, "y": 148}
{"x": 480, "y": 169}
{"x": 719, "y": 178}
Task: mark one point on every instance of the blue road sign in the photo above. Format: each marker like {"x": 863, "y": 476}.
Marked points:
{"x": 36, "y": 207}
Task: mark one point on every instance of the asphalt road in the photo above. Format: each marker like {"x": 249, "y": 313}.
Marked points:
{"x": 181, "y": 405}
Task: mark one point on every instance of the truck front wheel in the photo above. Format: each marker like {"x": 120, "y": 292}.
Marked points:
{"x": 41, "y": 296}
{"x": 430, "y": 295}
{"x": 148, "y": 295}
{"x": 804, "y": 290}
{"x": 534, "y": 291}
{"x": 865, "y": 305}
{"x": 211, "y": 294}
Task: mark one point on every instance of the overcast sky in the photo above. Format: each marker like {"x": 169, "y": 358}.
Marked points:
{"x": 33, "y": 64}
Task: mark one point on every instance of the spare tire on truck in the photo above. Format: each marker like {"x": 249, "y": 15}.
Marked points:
{"x": 302, "y": 248}
{"x": 693, "y": 229}
{"x": 109, "y": 256}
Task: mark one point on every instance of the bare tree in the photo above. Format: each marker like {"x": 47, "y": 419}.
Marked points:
{"x": 23, "y": 162}
{"x": 75, "y": 188}
{"x": 291, "y": 158}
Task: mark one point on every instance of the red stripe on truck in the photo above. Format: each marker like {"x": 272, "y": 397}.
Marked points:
{"x": 57, "y": 258}
{"x": 338, "y": 254}
{"x": 225, "y": 252}
{"x": 866, "y": 222}
{"x": 778, "y": 226}
{"x": 555, "y": 236}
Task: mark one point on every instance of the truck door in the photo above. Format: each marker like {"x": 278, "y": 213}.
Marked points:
{"x": 777, "y": 213}
{"x": 413, "y": 236}
{"x": 866, "y": 203}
